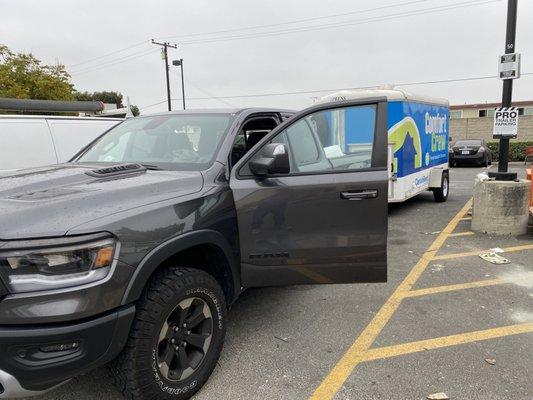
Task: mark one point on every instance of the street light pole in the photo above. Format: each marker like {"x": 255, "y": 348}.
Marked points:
{"x": 503, "y": 163}
{"x": 165, "y": 46}
{"x": 179, "y": 63}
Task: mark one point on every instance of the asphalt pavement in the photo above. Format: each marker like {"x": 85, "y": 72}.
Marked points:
{"x": 446, "y": 321}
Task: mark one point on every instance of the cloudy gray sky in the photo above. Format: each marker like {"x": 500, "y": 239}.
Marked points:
{"x": 251, "y": 47}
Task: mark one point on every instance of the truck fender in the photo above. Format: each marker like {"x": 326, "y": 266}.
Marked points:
{"x": 162, "y": 252}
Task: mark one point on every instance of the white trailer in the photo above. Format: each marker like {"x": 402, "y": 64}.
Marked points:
{"x": 418, "y": 141}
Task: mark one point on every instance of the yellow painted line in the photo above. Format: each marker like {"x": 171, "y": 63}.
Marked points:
{"x": 446, "y": 341}
{"x": 451, "y": 288}
{"x": 354, "y": 355}
{"x": 466, "y": 219}
{"x": 468, "y": 233}
{"x": 477, "y": 252}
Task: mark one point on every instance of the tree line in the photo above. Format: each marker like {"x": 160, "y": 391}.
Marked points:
{"x": 23, "y": 76}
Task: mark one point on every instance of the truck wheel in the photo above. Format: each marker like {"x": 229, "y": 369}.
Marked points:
{"x": 176, "y": 337}
{"x": 441, "y": 194}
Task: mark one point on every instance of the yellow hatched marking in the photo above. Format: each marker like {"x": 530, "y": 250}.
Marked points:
{"x": 477, "y": 252}
{"x": 355, "y": 354}
{"x": 468, "y": 233}
{"x": 445, "y": 341}
{"x": 450, "y": 288}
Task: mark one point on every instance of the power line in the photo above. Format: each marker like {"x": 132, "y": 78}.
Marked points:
{"x": 109, "y": 54}
{"x": 298, "y": 29}
{"x": 341, "y": 24}
{"x": 251, "y": 35}
{"x": 211, "y": 96}
{"x": 337, "y": 89}
{"x": 112, "y": 63}
{"x": 296, "y": 21}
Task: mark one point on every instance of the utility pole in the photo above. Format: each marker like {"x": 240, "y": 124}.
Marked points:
{"x": 165, "y": 46}
{"x": 179, "y": 63}
{"x": 503, "y": 163}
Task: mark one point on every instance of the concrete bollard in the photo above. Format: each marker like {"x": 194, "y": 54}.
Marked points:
{"x": 500, "y": 207}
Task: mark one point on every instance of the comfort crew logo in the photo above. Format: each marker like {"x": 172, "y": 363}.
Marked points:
{"x": 406, "y": 147}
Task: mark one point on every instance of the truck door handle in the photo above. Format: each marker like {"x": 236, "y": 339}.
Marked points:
{"x": 359, "y": 194}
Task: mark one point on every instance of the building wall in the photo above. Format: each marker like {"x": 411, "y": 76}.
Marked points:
{"x": 481, "y": 128}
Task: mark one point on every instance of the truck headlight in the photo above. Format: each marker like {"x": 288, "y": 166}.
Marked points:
{"x": 54, "y": 265}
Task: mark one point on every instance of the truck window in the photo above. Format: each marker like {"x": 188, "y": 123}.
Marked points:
{"x": 251, "y": 132}
{"x": 338, "y": 139}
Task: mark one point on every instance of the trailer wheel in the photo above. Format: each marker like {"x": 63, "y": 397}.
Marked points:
{"x": 441, "y": 194}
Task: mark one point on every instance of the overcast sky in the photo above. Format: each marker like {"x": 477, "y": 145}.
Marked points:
{"x": 336, "y": 44}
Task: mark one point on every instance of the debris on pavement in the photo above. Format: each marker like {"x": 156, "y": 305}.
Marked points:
{"x": 497, "y": 250}
{"x": 494, "y": 258}
{"x": 490, "y": 361}
{"x": 437, "y": 267}
{"x": 283, "y": 339}
{"x": 438, "y": 396}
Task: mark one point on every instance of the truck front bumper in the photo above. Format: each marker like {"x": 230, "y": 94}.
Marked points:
{"x": 38, "y": 358}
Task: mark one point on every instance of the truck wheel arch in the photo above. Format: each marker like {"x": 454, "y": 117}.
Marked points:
{"x": 165, "y": 251}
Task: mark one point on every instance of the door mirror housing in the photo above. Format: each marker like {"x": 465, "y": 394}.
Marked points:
{"x": 272, "y": 159}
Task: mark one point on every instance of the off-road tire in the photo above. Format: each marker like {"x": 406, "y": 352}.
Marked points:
{"x": 441, "y": 194}
{"x": 135, "y": 371}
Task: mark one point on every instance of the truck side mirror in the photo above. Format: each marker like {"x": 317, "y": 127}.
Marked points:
{"x": 272, "y": 159}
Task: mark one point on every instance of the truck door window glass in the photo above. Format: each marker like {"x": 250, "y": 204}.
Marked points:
{"x": 335, "y": 139}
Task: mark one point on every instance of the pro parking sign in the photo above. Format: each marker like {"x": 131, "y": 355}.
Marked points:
{"x": 505, "y": 122}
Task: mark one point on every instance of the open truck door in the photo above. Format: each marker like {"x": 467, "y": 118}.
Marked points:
{"x": 311, "y": 198}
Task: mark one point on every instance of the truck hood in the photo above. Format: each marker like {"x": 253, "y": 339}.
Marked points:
{"x": 49, "y": 201}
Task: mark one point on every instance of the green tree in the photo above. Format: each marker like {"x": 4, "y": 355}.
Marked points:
{"x": 23, "y": 76}
{"x": 135, "y": 111}
{"x": 106, "y": 97}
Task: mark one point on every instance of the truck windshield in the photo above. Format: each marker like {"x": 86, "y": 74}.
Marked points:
{"x": 173, "y": 141}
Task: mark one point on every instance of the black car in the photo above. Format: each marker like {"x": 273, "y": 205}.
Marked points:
{"x": 135, "y": 250}
{"x": 470, "y": 151}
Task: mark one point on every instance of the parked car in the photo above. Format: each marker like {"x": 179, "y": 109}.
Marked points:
{"x": 31, "y": 141}
{"x": 470, "y": 151}
{"x": 138, "y": 246}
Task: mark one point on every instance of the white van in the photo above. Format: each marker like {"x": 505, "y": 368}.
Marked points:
{"x": 34, "y": 140}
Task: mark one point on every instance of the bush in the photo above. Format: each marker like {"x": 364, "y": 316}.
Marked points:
{"x": 517, "y": 150}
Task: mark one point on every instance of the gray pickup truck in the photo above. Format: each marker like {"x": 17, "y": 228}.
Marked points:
{"x": 131, "y": 253}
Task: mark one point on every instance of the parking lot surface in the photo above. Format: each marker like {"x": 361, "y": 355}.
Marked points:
{"x": 446, "y": 321}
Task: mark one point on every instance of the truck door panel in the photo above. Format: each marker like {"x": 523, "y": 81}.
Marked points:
{"x": 325, "y": 221}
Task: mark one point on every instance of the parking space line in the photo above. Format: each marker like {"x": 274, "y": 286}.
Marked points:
{"x": 354, "y": 355}
{"x": 468, "y": 233}
{"x": 450, "y": 288}
{"x": 477, "y": 252}
{"x": 445, "y": 341}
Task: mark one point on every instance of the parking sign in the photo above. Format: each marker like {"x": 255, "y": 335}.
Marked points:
{"x": 505, "y": 123}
